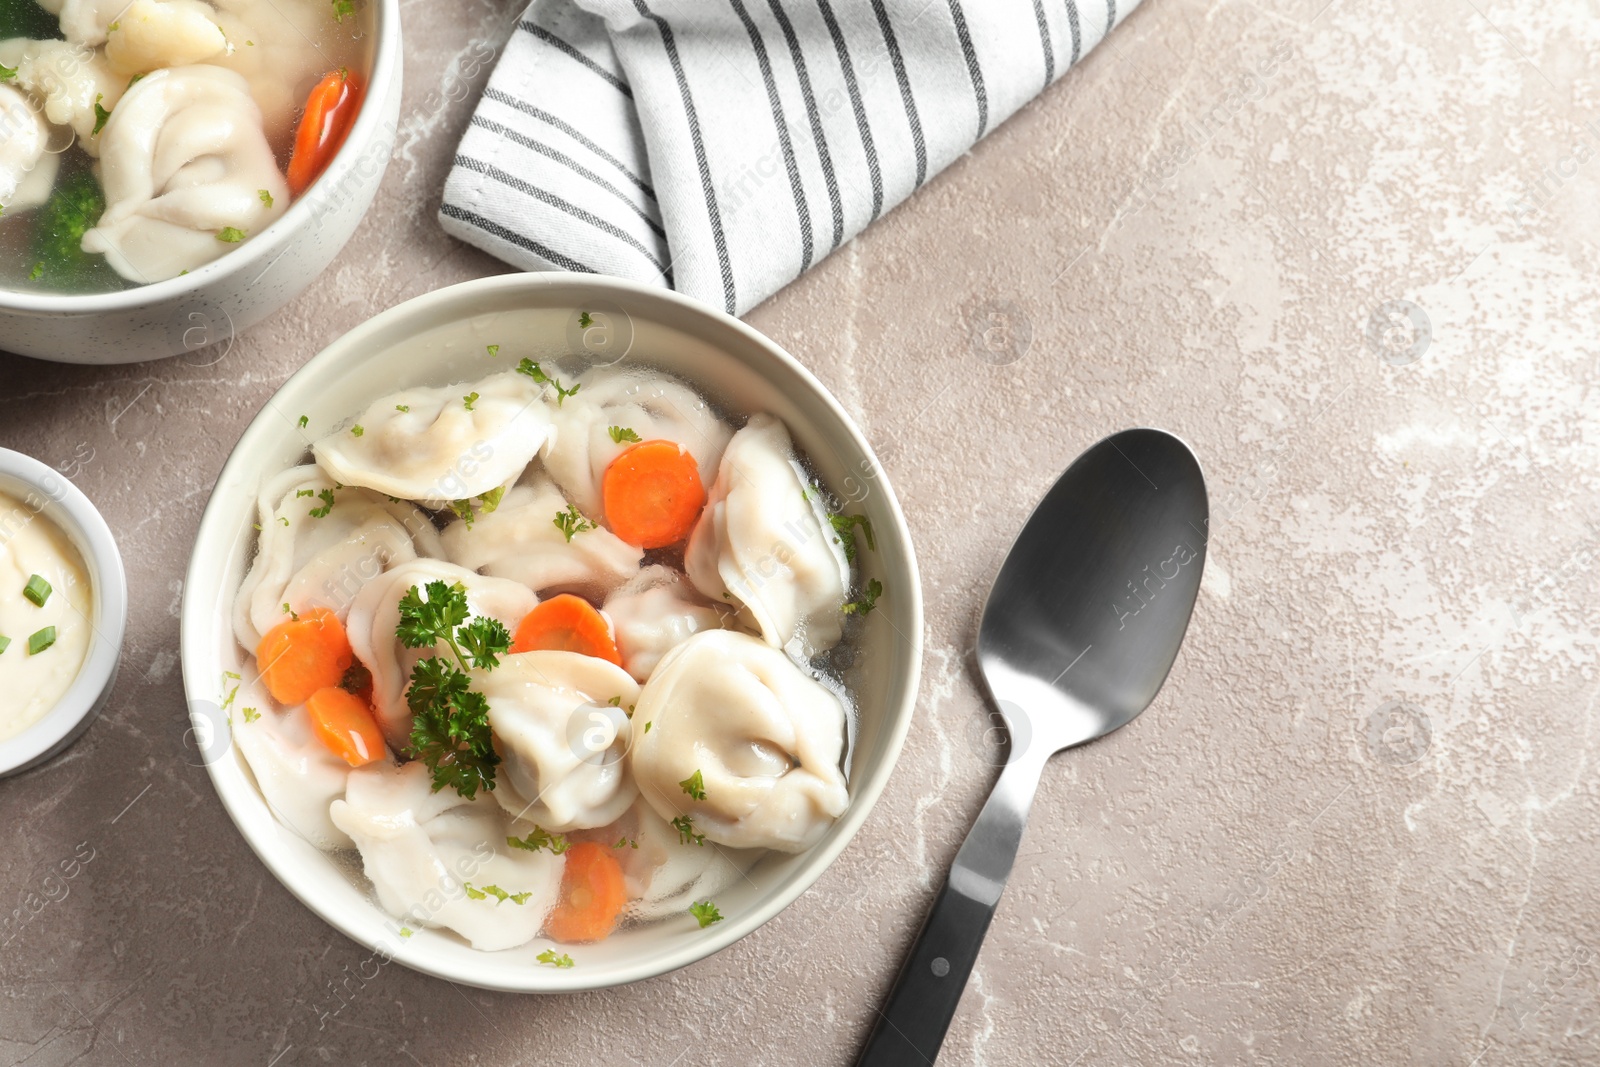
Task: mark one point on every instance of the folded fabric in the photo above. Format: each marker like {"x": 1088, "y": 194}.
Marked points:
{"x": 723, "y": 147}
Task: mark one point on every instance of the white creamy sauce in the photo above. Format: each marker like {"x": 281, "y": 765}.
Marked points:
{"x": 31, "y": 685}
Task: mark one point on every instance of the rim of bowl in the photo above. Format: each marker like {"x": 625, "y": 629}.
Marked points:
{"x": 386, "y": 61}
{"x": 86, "y": 528}
{"x": 865, "y": 791}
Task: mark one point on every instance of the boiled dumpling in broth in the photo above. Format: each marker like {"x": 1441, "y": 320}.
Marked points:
{"x": 665, "y": 874}
{"x": 278, "y": 63}
{"x": 765, "y": 737}
{"x": 764, "y": 542}
{"x": 522, "y": 541}
{"x": 441, "y": 445}
{"x": 184, "y": 164}
{"x": 656, "y": 612}
{"x": 433, "y": 856}
{"x": 68, "y": 82}
{"x": 320, "y": 545}
{"x": 27, "y": 169}
{"x": 150, "y": 34}
{"x": 652, "y": 406}
{"x": 375, "y": 614}
{"x": 563, "y": 737}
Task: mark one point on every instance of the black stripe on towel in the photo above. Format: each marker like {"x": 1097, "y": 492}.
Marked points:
{"x": 514, "y": 182}
{"x": 721, "y": 240}
{"x": 1044, "y": 41}
{"x": 802, "y": 209}
{"x": 567, "y": 161}
{"x": 976, "y": 72}
{"x": 899, "y": 63}
{"x": 555, "y": 42}
{"x": 572, "y": 132}
{"x": 1111, "y": 14}
{"x": 494, "y": 229}
{"x": 1072, "y": 21}
{"x": 824, "y": 157}
{"x": 854, "y": 89}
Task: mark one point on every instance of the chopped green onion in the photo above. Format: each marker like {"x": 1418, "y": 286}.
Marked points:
{"x": 37, "y": 590}
{"x": 5, "y": 643}
{"x": 42, "y": 640}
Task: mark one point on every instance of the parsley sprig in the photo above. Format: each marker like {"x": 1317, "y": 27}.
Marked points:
{"x": 619, "y": 434}
{"x": 868, "y": 601}
{"x": 845, "y": 527}
{"x": 572, "y": 522}
{"x": 536, "y": 372}
{"x": 540, "y": 839}
{"x": 705, "y": 913}
{"x": 549, "y": 956}
{"x": 686, "y": 835}
{"x": 450, "y": 728}
{"x": 694, "y": 785}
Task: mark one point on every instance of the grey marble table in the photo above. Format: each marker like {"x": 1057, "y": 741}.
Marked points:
{"x": 1360, "y": 822}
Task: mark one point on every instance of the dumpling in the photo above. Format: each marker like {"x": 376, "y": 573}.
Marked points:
{"x": 323, "y": 554}
{"x": 27, "y": 170}
{"x": 276, "y": 62}
{"x": 654, "y": 407}
{"x": 438, "y": 859}
{"x": 85, "y": 22}
{"x": 520, "y": 540}
{"x": 665, "y": 874}
{"x": 765, "y": 542}
{"x": 184, "y": 163}
{"x": 297, "y": 773}
{"x": 435, "y": 446}
{"x": 376, "y": 612}
{"x": 654, "y": 613}
{"x": 563, "y": 736}
{"x": 765, "y": 737}
{"x": 150, "y": 34}
{"x": 68, "y": 82}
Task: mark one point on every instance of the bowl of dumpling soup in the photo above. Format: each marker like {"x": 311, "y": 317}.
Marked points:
{"x": 173, "y": 171}
{"x": 551, "y": 632}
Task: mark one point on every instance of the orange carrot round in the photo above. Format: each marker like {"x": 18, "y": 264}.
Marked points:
{"x": 299, "y": 656}
{"x": 653, "y": 494}
{"x": 344, "y": 722}
{"x": 330, "y": 112}
{"x": 567, "y": 623}
{"x": 592, "y": 896}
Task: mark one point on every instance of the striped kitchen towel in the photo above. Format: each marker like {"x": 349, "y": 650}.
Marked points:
{"x": 722, "y": 147}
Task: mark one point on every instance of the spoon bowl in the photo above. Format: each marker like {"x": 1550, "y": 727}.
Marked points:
{"x": 1079, "y": 632}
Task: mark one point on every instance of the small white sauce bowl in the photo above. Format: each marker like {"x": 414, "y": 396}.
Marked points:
{"x": 51, "y": 497}
{"x": 443, "y": 338}
{"x": 211, "y": 305}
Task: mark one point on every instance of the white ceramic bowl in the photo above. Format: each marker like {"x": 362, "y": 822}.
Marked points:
{"x": 210, "y": 305}
{"x": 439, "y": 339}
{"x": 47, "y": 494}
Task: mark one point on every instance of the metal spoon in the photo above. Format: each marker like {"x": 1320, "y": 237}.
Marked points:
{"x": 1078, "y": 634}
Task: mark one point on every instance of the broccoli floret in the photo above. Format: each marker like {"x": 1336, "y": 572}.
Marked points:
{"x": 75, "y": 205}
{"x": 25, "y": 18}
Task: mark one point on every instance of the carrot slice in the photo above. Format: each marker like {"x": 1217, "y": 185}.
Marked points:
{"x": 299, "y": 656}
{"x": 653, "y": 494}
{"x": 330, "y": 112}
{"x": 567, "y": 623}
{"x": 592, "y": 896}
{"x": 344, "y": 722}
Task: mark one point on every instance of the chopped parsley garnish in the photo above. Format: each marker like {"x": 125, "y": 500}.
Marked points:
{"x": 293, "y": 614}
{"x": 283, "y": 520}
{"x": 493, "y": 350}
{"x": 266, "y": 197}
{"x": 405, "y": 931}
{"x": 326, "y": 496}
{"x": 469, "y": 400}
{"x": 5, "y": 643}
{"x": 845, "y": 526}
{"x": 7, "y": 73}
{"x": 343, "y": 9}
{"x": 536, "y": 372}
{"x": 101, "y": 115}
{"x": 135, "y": 81}
{"x": 491, "y": 499}
{"x": 37, "y": 590}
{"x": 626, "y": 842}
{"x": 357, "y": 430}
{"x": 500, "y": 895}
{"x": 304, "y": 421}
{"x": 251, "y": 715}
{"x": 231, "y": 235}
{"x": 585, "y": 320}
{"x": 685, "y": 827}
{"x": 868, "y": 601}
{"x": 620, "y": 434}
{"x": 42, "y": 640}
{"x": 571, "y": 522}
{"x": 549, "y": 956}
{"x": 303, "y": 492}
{"x": 540, "y": 839}
{"x": 648, "y": 725}
{"x": 404, "y": 409}
{"x": 615, "y": 702}
{"x": 450, "y": 731}
{"x": 694, "y": 785}
{"x": 37, "y": 272}
{"x": 705, "y": 913}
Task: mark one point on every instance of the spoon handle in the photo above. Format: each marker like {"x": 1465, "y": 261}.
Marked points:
{"x": 911, "y": 1025}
